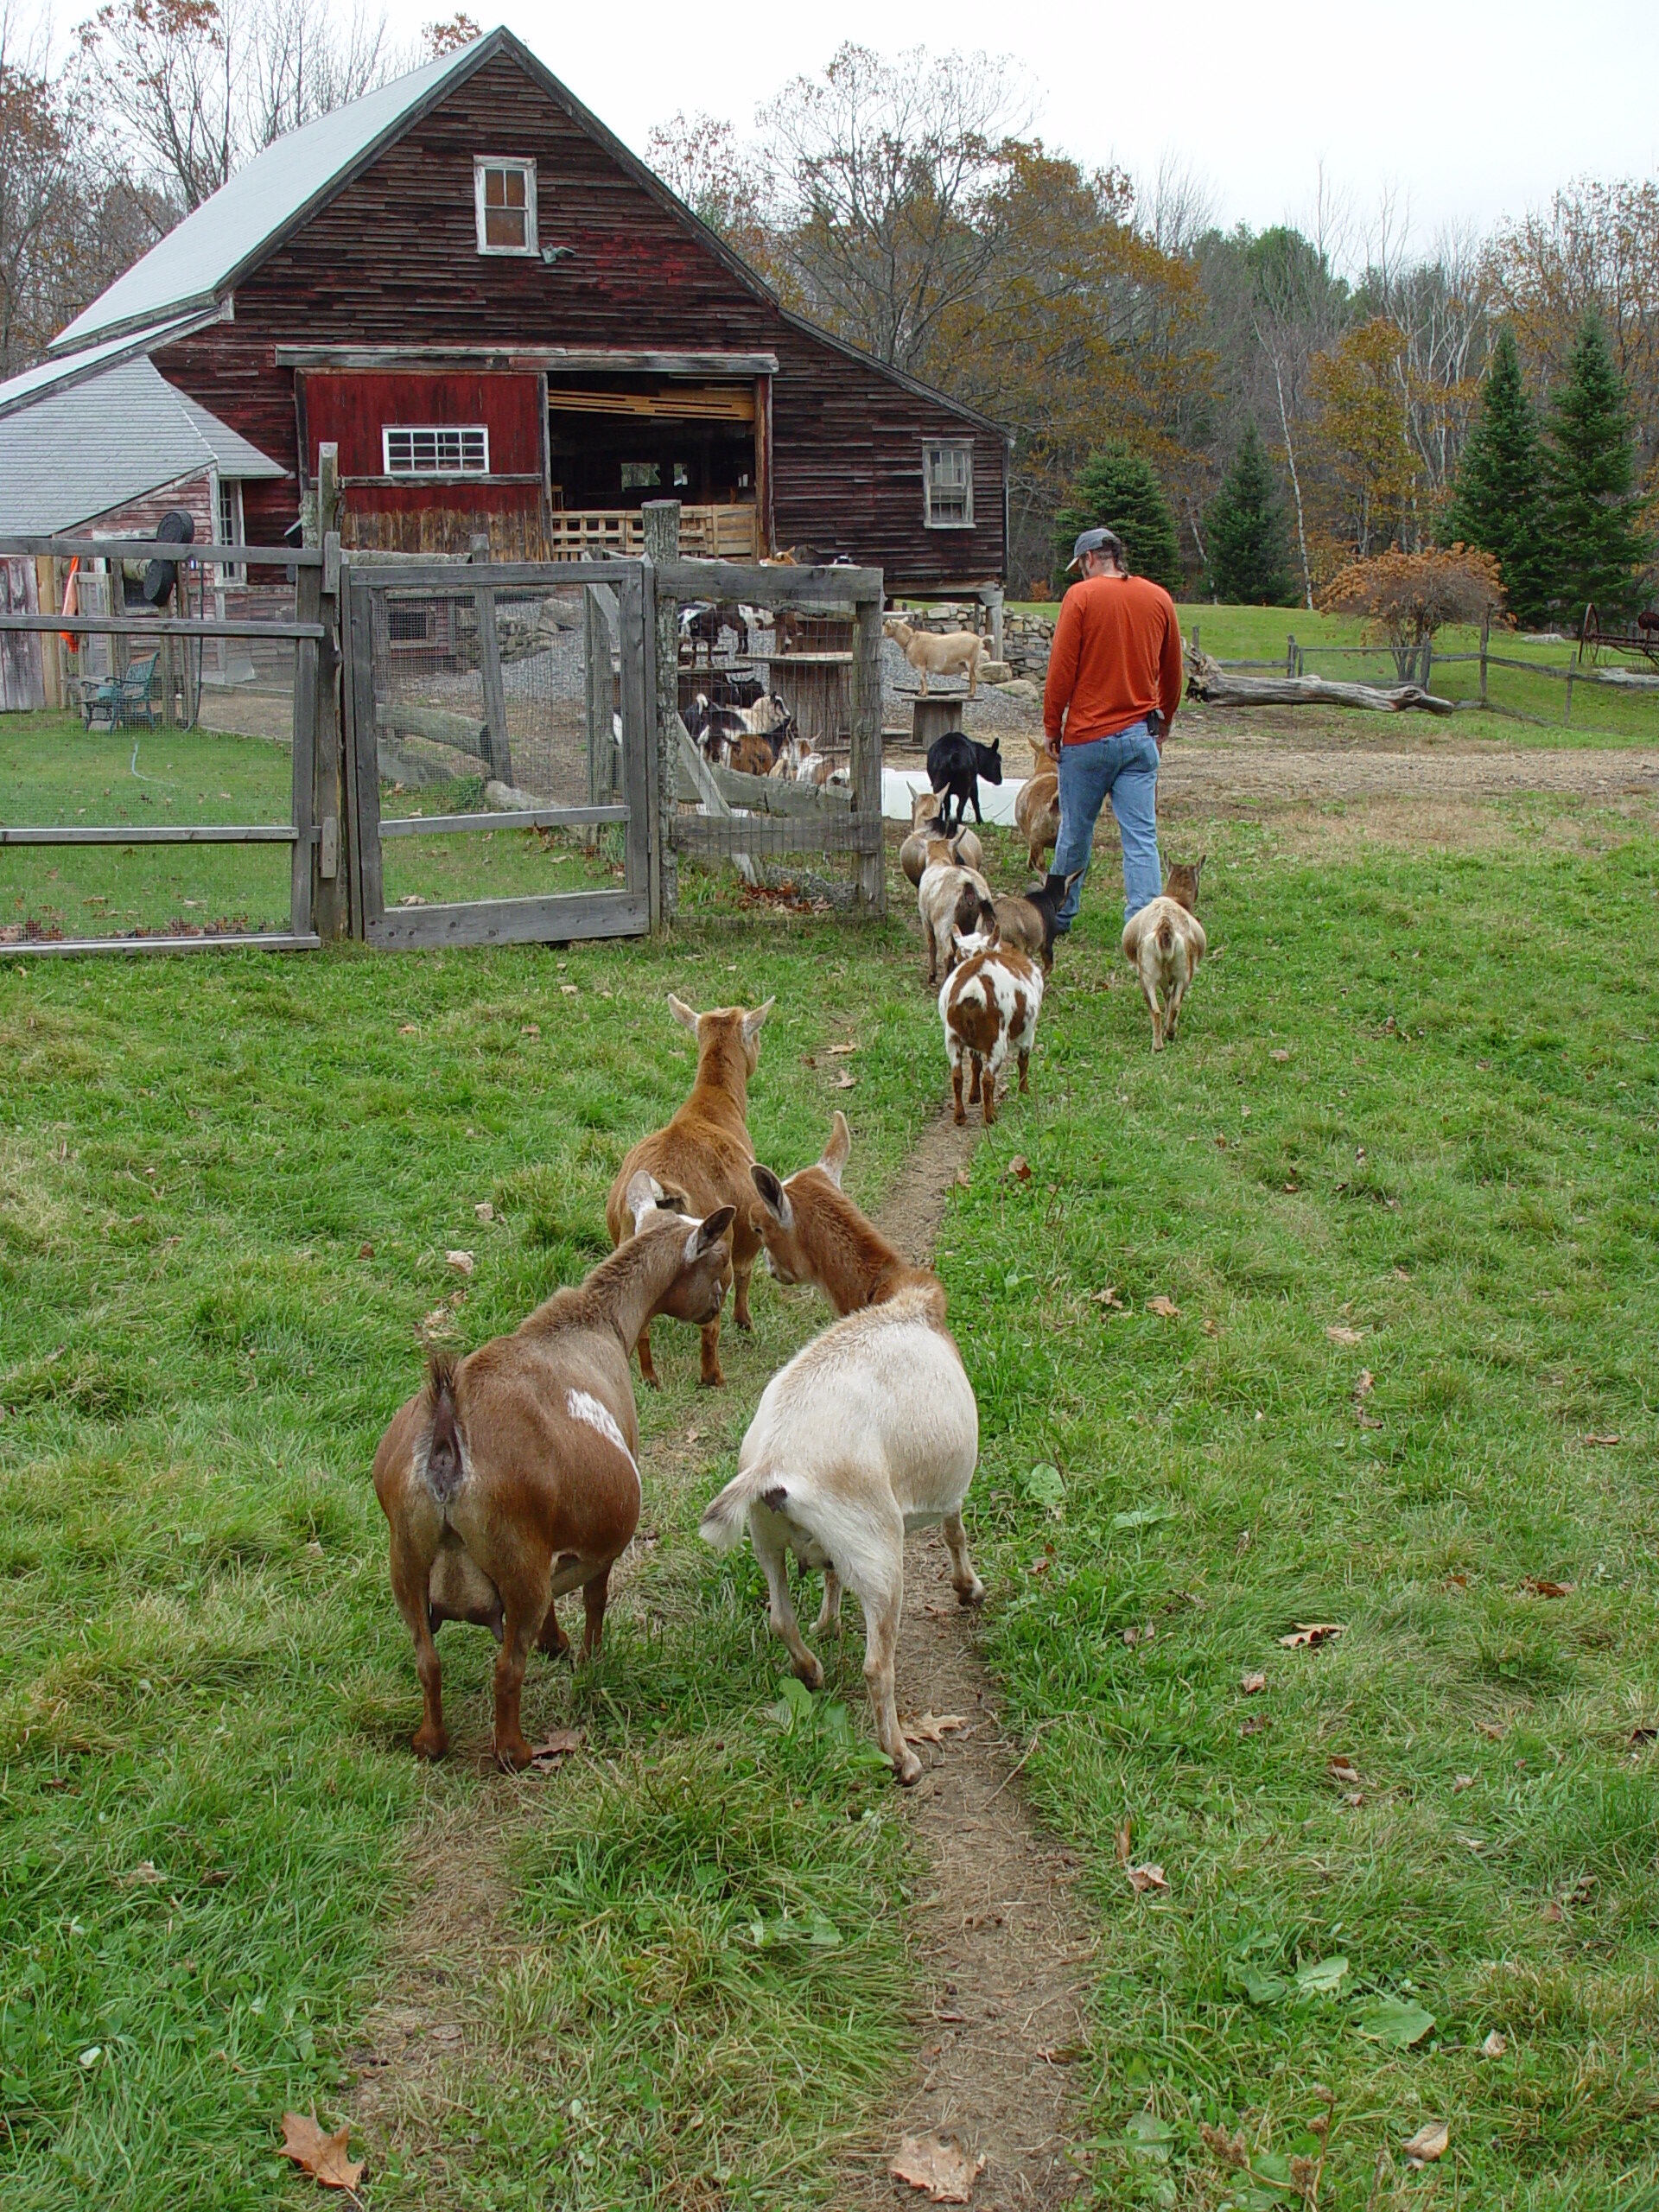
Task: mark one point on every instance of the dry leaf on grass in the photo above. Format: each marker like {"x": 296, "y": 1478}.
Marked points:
{"x": 940, "y": 2165}
{"x": 440, "y": 1322}
{"x": 407, "y": 1029}
{"x": 1279, "y": 1053}
{"x": 1126, "y": 1830}
{"x": 838, "y": 1051}
{"x": 365, "y": 1251}
{"x": 845, "y": 1081}
{"x": 1362, "y": 1387}
{"x": 1492, "y": 1730}
{"x": 571, "y": 990}
{"x": 1340, "y": 1333}
{"x": 1019, "y": 1167}
{"x": 323, "y": 2156}
{"x": 460, "y": 1262}
{"x": 531, "y": 1029}
{"x": 1165, "y": 1306}
{"x": 485, "y": 1210}
{"x": 1313, "y": 1632}
{"x": 1109, "y": 1297}
{"x": 1254, "y": 1726}
{"x": 965, "y": 1180}
{"x": 559, "y": 1745}
{"x": 1251, "y": 1683}
{"x": 146, "y": 1873}
{"x": 1142, "y": 1878}
{"x": 1212, "y": 1326}
{"x": 931, "y": 1728}
{"x": 1428, "y": 2143}
{"x": 1494, "y": 2045}
{"x": 1537, "y": 1589}
{"x": 1343, "y": 1770}
{"x": 1601, "y": 1439}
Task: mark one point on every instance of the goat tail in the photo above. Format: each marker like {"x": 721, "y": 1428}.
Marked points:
{"x": 445, "y": 1453}
{"x": 1166, "y": 937}
{"x": 724, "y": 1520}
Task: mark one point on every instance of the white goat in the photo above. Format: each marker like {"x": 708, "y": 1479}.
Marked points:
{"x": 949, "y": 892}
{"x": 870, "y": 1432}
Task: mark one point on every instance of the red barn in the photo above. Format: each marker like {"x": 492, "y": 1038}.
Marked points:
{"x": 506, "y": 323}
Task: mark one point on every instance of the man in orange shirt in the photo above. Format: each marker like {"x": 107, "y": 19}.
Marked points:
{"x": 1114, "y": 685}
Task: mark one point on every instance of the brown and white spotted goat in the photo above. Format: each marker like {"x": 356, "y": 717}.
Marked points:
{"x": 513, "y": 1474}
{"x": 989, "y": 1005}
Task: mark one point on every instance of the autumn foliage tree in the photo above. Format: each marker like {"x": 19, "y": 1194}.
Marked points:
{"x": 1409, "y": 597}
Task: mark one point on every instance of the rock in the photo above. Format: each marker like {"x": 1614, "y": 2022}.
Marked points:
{"x": 1018, "y": 687}
{"x": 995, "y": 671}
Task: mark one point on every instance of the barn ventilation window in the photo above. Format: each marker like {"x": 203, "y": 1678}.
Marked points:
{"x": 503, "y": 194}
{"x": 438, "y": 449}
{"x": 948, "y": 486}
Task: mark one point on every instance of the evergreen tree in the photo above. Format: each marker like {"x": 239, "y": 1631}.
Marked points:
{"x": 1598, "y": 544}
{"x": 1117, "y": 487}
{"x": 1498, "y": 506}
{"x": 1249, "y": 550}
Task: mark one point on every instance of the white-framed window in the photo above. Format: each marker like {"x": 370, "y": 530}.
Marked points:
{"x": 504, "y": 198}
{"x": 948, "y": 484}
{"x": 232, "y": 530}
{"x": 435, "y": 449}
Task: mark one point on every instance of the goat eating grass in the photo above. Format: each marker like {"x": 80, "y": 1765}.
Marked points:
{"x": 870, "y": 1433}
{"x": 513, "y": 1475}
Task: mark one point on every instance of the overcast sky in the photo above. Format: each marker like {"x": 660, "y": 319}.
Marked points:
{"x": 1469, "y": 110}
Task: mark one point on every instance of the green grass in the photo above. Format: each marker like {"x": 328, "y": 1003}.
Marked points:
{"x": 1455, "y": 1159}
{"x": 201, "y": 1671}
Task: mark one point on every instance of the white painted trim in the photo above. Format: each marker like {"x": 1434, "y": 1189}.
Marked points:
{"x": 434, "y": 430}
{"x": 527, "y": 166}
{"x": 929, "y": 447}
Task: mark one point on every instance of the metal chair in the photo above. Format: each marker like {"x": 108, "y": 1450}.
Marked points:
{"x": 124, "y": 703}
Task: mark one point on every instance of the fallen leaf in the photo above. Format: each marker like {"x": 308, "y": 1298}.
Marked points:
{"x": 1552, "y": 1910}
{"x": 1458, "y": 1581}
{"x": 365, "y": 1251}
{"x": 145, "y": 1873}
{"x": 1340, "y": 1333}
{"x": 844, "y": 1081}
{"x": 1428, "y": 2143}
{"x": 408, "y": 1029}
{"x": 559, "y": 1745}
{"x": 1343, "y": 1770}
{"x": 964, "y": 1179}
{"x": 1313, "y": 1632}
{"x": 1279, "y": 1053}
{"x": 1545, "y": 1589}
{"x": 838, "y": 1051}
{"x": 531, "y": 1029}
{"x": 931, "y": 1728}
{"x": 440, "y": 1322}
{"x": 571, "y": 990}
{"x": 1221, "y": 1142}
{"x": 485, "y": 1210}
{"x": 1212, "y": 1326}
{"x": 323, "y": 2156}
{"x": 1643, "y": 1734}
{"x": 940, "y": 2165}
{"x": 1254, "y": 1726}
{"x": 1321, "y": 1977}
{"x": 1362, "y": 1387}
{"x": 1396, "y": 2021}
{"x": 1142, "y": 1878}
{"x": 1019, "y": 1167}
{"x": 1494, "y": 2045}
{"x": 1165, "y": 1306}
{"x": 1290, "y": 1189}
{"x": 460, "y": 1262}
{"x": 694, "y": 1436}
{"x": 1492, "y": 1730}
{"x": 1601, "y": 1439}
{"x": 1401, "y": 1274}
{"x": 1045, "y": 1484}
{"x": 1126, "y": 1829}
{"x": 1109, "y": 1297}
{"x": 1251, "y": 1683}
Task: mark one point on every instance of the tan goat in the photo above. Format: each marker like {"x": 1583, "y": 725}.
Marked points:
{"x": 1036, "y": 813}
{"x": 513, "y": 1474}
{"x": 945, "y": 881}
{"x": 950, "y": 652}
{"x": 1165, "y": 941}
{"x": 928, "y": 822}
{"x": 704, "y": 1155}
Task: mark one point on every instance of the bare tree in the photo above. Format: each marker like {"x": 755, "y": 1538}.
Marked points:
{"x": 308, "y": 58}
{"x": 884, "y": 171}
{"x": 35, "y": 181}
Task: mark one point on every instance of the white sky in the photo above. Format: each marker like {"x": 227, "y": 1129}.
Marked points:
{"x": 1467, "y": 110}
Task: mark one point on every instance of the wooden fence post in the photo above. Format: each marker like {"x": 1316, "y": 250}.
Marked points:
{"x": 871, "y": 894}
{"x": 330, "y": 881}
{"x": 1569, "y": 722}
{"x": 499, "y": 760}
{"x": 660, "y": 520}
{"x": 1485, "y": 633}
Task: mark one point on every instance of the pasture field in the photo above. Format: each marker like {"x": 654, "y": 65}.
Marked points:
{"x": 220, "y": 1858}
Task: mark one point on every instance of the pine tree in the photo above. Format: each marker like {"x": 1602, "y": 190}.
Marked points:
{"x": 1117, "y": 486}
{"x": 1499, "y": 504}
{"x": 1598, "y": 544}
{"x": 1249, "y": 550}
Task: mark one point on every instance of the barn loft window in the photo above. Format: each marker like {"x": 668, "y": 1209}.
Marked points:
{"x": 503, "y": 194}
{"x": 948, "y": 486}
{"x": 437, "y": 449}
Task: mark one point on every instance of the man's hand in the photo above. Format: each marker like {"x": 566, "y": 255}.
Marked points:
{"x": 1052, "y": 747}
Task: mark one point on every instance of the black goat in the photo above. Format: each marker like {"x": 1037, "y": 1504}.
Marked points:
{"x": 956, "y": 766}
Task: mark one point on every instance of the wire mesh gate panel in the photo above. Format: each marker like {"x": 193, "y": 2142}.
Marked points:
{"x": 774, "y": 713}
{"x": 502, "y": 785}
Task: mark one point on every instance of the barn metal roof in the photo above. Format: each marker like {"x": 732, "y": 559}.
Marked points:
{"x": 107, "y": 438}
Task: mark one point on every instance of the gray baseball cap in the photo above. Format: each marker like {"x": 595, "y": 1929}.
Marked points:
{"x": 1095, "y": 541}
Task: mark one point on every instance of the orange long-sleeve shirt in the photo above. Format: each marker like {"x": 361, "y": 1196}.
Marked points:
{"x": 1116, "y": 656}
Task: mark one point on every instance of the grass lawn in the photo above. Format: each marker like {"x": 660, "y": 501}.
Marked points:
{"x": 213, "y": 1828}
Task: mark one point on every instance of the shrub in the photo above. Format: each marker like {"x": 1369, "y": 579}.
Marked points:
{"x": 1408, "y": 596}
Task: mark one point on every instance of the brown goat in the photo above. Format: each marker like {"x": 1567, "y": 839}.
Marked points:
{"x": 814, "y": 1233}
{"x": 1036, "y": 813}
{"x": 704, "y": 1154}
{"x": 513, "y": 1474}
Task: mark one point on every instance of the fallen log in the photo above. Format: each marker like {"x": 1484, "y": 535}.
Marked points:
{"x": 1207, "y": 680}
{"x": 462, "y": 733}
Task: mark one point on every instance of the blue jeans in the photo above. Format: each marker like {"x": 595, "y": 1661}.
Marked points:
{"x": 1124, "y": 767}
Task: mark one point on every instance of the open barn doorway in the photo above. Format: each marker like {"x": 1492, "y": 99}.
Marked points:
{"x": 616, "y": 442}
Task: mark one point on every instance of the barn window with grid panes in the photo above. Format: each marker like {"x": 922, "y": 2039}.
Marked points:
{"x": 504, "y": 194}
{"x": 435, "y": 449}
{"x": 948, "y": 486}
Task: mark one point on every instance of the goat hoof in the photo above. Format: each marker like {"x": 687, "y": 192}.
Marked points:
{"x": 715, "y": 1382}
{"x": 812, "y": 1674}
{"x": 959, "y": 1117}
{"x": 907, "y": 1769}
{"x": 973, "y": 1595}
{"x": 514, "y": 1753}
{"x": 429, "y": 1743}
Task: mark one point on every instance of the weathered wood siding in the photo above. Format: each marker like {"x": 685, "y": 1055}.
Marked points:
{"x": 392, "y": 260}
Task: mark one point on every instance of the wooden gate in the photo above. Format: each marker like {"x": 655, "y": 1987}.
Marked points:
{"x": 521, "y": 685}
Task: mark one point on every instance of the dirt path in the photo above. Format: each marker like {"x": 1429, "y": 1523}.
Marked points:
{"x": 997, "y": 1945}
